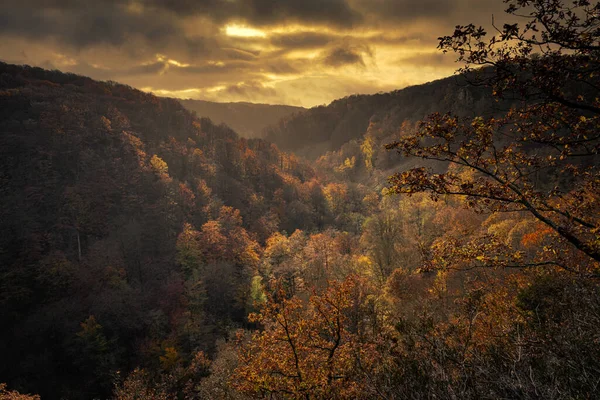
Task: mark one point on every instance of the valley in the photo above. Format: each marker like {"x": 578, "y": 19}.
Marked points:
{"x": 437, "y": 241}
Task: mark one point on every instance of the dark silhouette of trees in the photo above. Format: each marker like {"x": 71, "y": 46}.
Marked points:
{"x": 542, "y": 157}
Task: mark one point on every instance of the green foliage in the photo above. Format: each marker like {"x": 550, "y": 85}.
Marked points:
{"x": 189, "y": 254}
{"x": 95, "y": 356}
{"x": 257, "y": 293}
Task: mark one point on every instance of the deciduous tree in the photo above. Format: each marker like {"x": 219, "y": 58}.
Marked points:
{"x": 541, "y": 158}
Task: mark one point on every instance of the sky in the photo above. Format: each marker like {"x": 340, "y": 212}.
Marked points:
{"x": 296, "y": 52}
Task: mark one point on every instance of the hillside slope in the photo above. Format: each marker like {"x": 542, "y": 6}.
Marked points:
{"x": 103, "y": 190}
{"x": 247, "y": 119}
{"x": 327, "y": 128}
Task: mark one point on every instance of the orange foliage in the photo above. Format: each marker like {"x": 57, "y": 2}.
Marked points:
{"x": 309, "y": 349}
{"x": 535, "y": 238}
{"x": 5, "y": 394}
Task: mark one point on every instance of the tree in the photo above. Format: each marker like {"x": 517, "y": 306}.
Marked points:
{"x": 14, "y": 395}
{"x": 138, "y": 386}
{"x": 541, "y": 158}
{"x": 552, "y": 56}
{"x": 337, "y": 197}
{"x": 382, "y": 237}
{"x": 189, "y": 250}
{"x": 278, "y": 261}
{"x": 96, "y": 358}
{"x": 368, "y": 151}
{"x": 308, "y": 350}
{"x": 159, "y": 166}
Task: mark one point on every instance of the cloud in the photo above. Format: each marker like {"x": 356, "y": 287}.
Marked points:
{"x": 348, "y": 52}
{"x": 333, "y": 12}
{"x": 250, "y": 90}
{"x": 344, "y": 56}
{"x": 82, "y": 26}
{"x": 429, "y": 14}
{"x": 302, "y": 40}
{"x": 265, "y": 12}
{"x": 86, "y": 22}
{"x": 405, "y": 10}
{"x": 333, "y": 47}
{"x": 428, "y": 60}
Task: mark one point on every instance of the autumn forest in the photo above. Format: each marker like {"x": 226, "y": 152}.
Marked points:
{"x": 440, "y": 241}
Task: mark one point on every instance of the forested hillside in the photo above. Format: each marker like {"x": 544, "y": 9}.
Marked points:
{"x": 247, "y": 119}
{"x": 327, "y": 128}
{"x": 102, "y": 188}
{"x": 149, "y": 254}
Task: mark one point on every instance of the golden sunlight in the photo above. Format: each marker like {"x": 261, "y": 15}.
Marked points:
{"x": 243, "y": 31}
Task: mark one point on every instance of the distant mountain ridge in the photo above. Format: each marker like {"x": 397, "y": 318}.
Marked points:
{"x": 247, "y": 119}
{"x": 327, "y": 128}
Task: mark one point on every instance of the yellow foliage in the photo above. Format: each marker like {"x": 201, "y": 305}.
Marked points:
{"x": 159, "y": 165}
{"x": 169, "y": 359}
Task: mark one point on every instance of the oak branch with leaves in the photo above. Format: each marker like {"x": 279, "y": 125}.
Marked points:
{"x": 541, "y": 157}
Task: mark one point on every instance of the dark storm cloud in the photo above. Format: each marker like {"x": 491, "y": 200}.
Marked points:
{"x": 159, "y": 23}
{"x": 406, "y": 10}
{"x": 265, "y": 12}
{"x": 180, "y": 45}
{"x": 81, "y": 26}
{"x": 302, "y": 40}
{"x": 438, "y": 13}
{"x": 83, "y": 23}
{"x": 336, "y": 12}
{"x": 344, "y": 56}
{"x": 192, "y": 7}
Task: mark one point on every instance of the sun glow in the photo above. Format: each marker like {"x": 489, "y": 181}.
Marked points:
{"x": 178, "y": 64}
{"x": 243, "y": 31}
{"x": 180, "y": 94}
